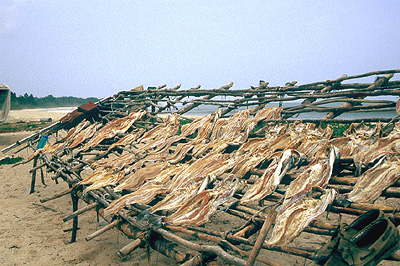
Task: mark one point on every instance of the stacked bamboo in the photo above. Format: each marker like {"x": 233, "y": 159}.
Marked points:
{"x": 236, "y": 245}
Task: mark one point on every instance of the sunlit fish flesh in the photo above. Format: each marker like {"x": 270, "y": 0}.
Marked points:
{"x": 293, "y": 218}
{"x": 140, "y": 176}
{"x": 272, "y": 176}
{"x": 317, "y": 174}
{"x": 376, "y": 179}
{"x": 112, "y": 128}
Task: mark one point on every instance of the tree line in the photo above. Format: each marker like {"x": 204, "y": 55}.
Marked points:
{"x": 29, "y": 101}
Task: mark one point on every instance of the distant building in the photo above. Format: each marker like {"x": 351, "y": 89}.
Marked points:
{"x": 5, "y": 102}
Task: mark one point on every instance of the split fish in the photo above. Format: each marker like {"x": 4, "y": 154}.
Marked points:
{"x": 317, "y": 174}
{"x": 296, "y": 215}
{"x": 272, "y": 176}
{"x": 376, "y": 179}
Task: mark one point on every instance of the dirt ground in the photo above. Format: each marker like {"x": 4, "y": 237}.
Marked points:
{"x": 33, "y": 233}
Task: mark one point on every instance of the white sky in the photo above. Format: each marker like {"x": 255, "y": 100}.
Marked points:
{"x": 97, "y": 48}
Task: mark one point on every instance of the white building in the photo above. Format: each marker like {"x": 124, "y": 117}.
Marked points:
{"x": 5, "y": 102}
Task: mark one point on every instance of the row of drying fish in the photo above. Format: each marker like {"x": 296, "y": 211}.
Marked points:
{"x": 196, "y": 188}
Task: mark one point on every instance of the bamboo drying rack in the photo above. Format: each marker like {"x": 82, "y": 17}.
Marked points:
{"x": 237, "y": 246}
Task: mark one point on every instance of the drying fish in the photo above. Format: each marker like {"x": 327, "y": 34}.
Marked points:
{"x": 245, "y": 163}
{"x": 198, "y": 125}
{"x": 317, "y": 174}
{"x": 140, "y": 176}
{"x": 193, "y": 179}
{"x": 176, "y": 197}
{"x": 379, "y": 149}
{"x": 270, "y": 113}
{"x": 296, "y": 215}
{"x": 364, "y": 131}
{"x": 75, "y": 130}
{"x": 164, "y": 148}
{"x": 144, "y": 195}
{"x": 84, "y": 135}
{"x": 102, "y": 178}
{"x": 169, "y": 128}
{"x": 128, "y": 139}
{"x": 181, "y": 151}
{"x": 117, "y": 162}
{"x": 272, "y": 176}
{"x": 112, "y": 128}
{"x": 376, "y": 179}
{"x": 198, "y": 209}
{"x": 147, "y": 192}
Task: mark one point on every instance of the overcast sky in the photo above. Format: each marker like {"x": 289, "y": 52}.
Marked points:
{"x": 97, "y": 48}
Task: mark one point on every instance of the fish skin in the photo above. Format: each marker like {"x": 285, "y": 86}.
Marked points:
{"x": 144, "y": 195}
{"x": 84, "y": 135}
{"x": 272, "y": 176}
{"x": 139, "y": 177}
{"x": 317, "y": 174}
{"x": 372, "y": 182}
{"x": 198, "y": 209}
{"x": 293, "y": 218}
{"x": 112, "y": 128}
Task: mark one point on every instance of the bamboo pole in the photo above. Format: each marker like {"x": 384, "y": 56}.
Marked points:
{"x": 261, "y": 237}
{"x": 130, "y": 247}
{"x": 57, "y": 195}
{"x": 102, "y": 230}
{"x": 379, "y": 82}
{"x": 202, "y": 248}
{"x": 80, "y": 211}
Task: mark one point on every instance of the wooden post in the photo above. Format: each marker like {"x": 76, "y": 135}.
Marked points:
{"x": 75, "y": 200}
{"x": 34, "y": 175}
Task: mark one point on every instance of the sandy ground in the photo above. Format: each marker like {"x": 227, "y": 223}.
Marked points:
{"x": 31, "y": 234}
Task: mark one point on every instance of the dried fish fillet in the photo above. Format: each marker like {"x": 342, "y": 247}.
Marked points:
{"x": 198, "y": 209}
{"x": 128, "y": 139}
{"x": 116, "y": 162}
{"x": 139, "y": 177}
{"x": 84, "y": 135}
{"x": 293, "y": 218}
{"x": 144, "y": 195}
{"x": 101, "y": 179}
{"x": 112, "y": 128}
{"x": 272, "y": 176}
{"x": 317, "y": 174}
{"x": 376, "y": 179}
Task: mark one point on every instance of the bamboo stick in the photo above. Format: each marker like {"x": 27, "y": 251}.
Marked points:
{"x": 80, "y": 211}
{"x": 57, "y": 195}
{"x": 103, "y": 230}
{"x": 202, "y": 248}
{"x": 130, "y": 247}
{"x": 261, "y": 237}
